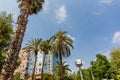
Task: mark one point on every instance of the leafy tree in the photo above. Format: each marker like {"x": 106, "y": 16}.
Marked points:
{"x": 61, "y": 44}
{"x": 27, "y": 8}
{"x": 86, "y": 74}
{"x": 115, "y": 61}
{"x": 101, "y": 67}
{"x": 6, "y": 30}
{"x": 33, "y": 45}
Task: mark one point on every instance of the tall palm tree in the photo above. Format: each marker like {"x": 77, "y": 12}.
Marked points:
{"x": 61, "y": 44}
{"x": 65, "y": 68}
{"x": 45, "y": 47}
{"x": 34, "y": 45}
{"x": 27, "y": 8}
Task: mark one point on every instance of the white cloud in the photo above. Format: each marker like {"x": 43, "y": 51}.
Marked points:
{"x": 71, "y": 37}
{"x": 61, "y": 14}
{"x": 105, "y": 1}
{"x": 116, "y": 37}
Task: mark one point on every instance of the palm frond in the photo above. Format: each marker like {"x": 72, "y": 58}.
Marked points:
{"x": 61, "y": 44}
{"x": 33, "y": 45}
{"x": 34, "y": 5}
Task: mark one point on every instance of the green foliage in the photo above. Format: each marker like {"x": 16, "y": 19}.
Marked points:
{"x": 16, "y": 76}
{"x": 61, "y": 44}
{"x": 72, "y": 77}
{"x": 101, "y": 67}
{"x": 118, "y": 77}
{"x": 33, "y": 45}
{"x": 78, "y": 75}
{"x": 18, "y": 63}
{"x": 58, "y": 69}
{"x": 86, "y": 74}
{"x": 48, "y": 77}
{"x": 6, "y": 30}
{"x": 115, "y": 61}
{"x": 46, "y": 46}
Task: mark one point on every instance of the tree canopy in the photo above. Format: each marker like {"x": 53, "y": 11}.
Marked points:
{"x": 100, "y": 67}
{"x": 6, "y": 30}
{"x": 115, "y": 61}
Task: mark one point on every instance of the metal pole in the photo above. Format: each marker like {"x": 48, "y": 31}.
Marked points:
{"x": 92, "y": 74}
{"x": 81, "y": 73}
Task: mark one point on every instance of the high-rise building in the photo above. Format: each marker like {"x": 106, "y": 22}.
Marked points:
{"x": 28, "y": 61}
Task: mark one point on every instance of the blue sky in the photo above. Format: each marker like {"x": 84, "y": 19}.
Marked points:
{"x": 93, "y": 24}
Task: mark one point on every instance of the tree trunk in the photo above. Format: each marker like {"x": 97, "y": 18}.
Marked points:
{"x": 33, "y": 75}
{"x": 61, "y": 70}
{"x": 15, "y": 45}
{"x": 43, "y": 66}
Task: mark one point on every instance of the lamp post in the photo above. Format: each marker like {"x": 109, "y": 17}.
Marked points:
{"x": 78, "y": 63}
{"x": 92, "y": 74}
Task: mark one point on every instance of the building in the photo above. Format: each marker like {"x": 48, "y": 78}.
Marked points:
{"x": 28, "y": 60}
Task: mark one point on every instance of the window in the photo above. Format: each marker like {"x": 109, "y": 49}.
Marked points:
{"x": 40, "y": 64}
{"x": 39, "y": 70}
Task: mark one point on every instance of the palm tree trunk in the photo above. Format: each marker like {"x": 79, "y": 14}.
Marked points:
{"x": 43, "y": 66}
{"x": 15, "y": 45}
{"x": 33, "y": 75}
{"x": 61, "y": 71}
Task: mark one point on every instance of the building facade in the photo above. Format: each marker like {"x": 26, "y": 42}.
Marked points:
{"x": 28, "y": 61}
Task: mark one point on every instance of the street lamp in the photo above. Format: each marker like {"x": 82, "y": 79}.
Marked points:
{"x": 78, "y": 63}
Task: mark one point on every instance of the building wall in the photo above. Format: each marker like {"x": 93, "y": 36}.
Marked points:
{"x": 28, "y": 60}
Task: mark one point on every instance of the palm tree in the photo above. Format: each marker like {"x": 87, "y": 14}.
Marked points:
{"x": 61, "y": 44}
{"x": 34, "y": 45}
{"x": 58, "y": 69}
{"x": 27, "y": 8}
{"x": 45, "y": 47}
